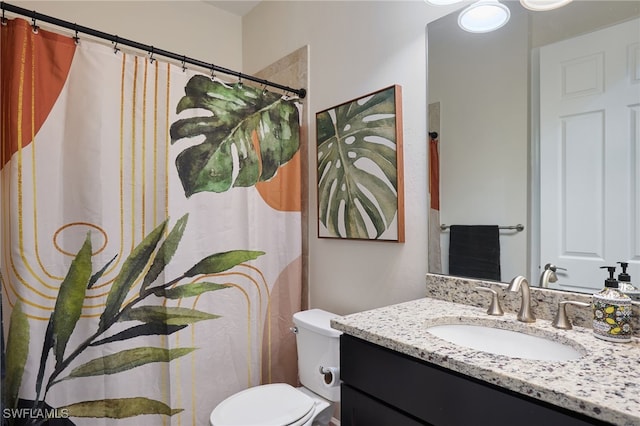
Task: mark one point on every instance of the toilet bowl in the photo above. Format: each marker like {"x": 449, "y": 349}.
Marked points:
{"x": 281, "y": 404}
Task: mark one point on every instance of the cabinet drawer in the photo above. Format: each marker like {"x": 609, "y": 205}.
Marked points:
{"x": 365, "y": 411}
{"x": 441, "y": 397}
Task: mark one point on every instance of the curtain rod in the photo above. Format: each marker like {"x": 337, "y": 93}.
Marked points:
{"x": 35, "y": 16}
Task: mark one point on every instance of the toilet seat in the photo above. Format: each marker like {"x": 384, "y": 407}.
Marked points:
{"x": 277, "y": 404}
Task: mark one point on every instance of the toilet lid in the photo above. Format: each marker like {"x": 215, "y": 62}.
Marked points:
{"x": 269, "y": 405}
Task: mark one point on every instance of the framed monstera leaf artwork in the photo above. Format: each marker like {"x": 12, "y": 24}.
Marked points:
{"x": 359, "y": 158}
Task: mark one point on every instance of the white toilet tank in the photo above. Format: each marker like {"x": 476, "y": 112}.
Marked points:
{"x": 318, "y": 346}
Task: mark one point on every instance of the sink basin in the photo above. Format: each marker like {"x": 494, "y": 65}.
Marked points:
{"x": 505, "y": 342}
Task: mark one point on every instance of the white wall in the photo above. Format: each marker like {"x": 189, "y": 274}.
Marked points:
{"x": 357, "y": 47}
{"x": 481, "y": 82}
{"x": 191, "y": 28}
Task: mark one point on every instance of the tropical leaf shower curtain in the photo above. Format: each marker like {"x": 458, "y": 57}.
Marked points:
{"x": 150, "y": 235}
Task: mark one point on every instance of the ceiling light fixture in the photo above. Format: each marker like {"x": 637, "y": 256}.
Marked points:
{"x": 484, "y": 16}
{"x": 442, "y": 2}
{"x": 542, "y": 5}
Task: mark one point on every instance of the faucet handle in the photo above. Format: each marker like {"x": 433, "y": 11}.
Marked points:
{"x": 494, "y": 307}
{"x": 562, "y": 319}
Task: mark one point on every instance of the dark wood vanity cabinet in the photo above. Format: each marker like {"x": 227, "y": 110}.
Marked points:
{"x": 382, "y": 387}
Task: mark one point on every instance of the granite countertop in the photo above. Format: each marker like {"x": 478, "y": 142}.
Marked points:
{"x": 604, "y": 383}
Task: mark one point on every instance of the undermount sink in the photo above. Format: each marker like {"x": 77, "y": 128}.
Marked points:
{"x": 505, "y": 342}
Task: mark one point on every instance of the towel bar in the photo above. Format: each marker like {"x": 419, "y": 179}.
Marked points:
{"x": 519, "y": 227}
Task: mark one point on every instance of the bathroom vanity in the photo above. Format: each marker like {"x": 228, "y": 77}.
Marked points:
{"x": 384, "y": 387}
{"x": 395, "y": 372}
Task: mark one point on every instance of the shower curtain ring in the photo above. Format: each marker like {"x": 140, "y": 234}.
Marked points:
{"x": 213, "y": 72}
{"x": 3, "y": 20}
{"x": 116, "y": 49}
{"x": 34, "y": 26}
{"x": 76, "y": 39}
{"x": 151, "y": 58}
{"x": 184, "y": 63}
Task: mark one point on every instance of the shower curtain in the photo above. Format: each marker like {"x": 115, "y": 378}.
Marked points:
{"x": 150, "y": 234}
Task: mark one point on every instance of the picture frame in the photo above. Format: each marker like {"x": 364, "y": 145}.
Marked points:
{"x": 360, "y": 168}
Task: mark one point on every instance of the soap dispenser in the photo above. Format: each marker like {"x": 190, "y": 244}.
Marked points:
{"x": 624, "y": 283}
{"x": 612, "y": 311}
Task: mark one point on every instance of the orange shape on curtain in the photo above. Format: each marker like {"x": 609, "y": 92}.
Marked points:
{"x": 434, "y": 173}
{"x": 282, "y": 192}
{"x": 31, "y": 86}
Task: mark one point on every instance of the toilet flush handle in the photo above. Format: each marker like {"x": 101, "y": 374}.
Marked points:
{"x": 294, "y": 330}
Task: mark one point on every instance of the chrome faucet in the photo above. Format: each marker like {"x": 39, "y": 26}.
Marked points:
{"x": 549, "y": 275}
{"x": 521, "y": 284}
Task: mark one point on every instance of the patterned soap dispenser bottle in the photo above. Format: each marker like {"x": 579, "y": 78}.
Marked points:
{"x": 624, "y": 283}
{"x": 611, "y": 311}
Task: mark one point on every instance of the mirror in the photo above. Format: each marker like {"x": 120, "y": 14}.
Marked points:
{"x": 483, "y": 102}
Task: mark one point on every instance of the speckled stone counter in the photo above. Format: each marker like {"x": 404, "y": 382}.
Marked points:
{"x": 604, "y": 383}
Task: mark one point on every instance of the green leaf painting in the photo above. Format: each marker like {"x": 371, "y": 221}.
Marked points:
{"x": 359, "y": 172}
{"x": 144, "y": 267}
{"x": 248, "y": 136}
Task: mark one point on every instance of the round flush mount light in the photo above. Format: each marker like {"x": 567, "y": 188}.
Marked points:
{"x": 542, "y": 5}
{"x": 484, "y": 16}
{"x": 442, "y": 2}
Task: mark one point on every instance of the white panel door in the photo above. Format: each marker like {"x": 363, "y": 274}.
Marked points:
{"x": 590, "y": 155}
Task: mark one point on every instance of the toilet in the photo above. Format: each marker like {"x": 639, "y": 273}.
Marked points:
{"x": 281, "y": 404}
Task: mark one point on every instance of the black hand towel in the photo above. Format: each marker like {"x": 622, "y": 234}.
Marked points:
{"x": 474, "y": 251}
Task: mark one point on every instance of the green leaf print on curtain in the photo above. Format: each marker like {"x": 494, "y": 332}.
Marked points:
{"x": 249, "y": 135}
{"x": 145, "y": 264}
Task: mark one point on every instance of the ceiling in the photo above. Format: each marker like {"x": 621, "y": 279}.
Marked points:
{"x": 237, "y": 7}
